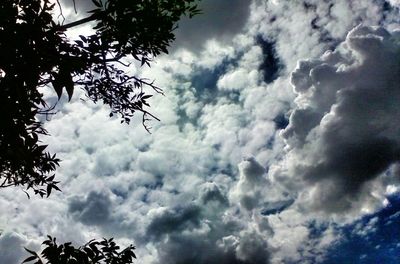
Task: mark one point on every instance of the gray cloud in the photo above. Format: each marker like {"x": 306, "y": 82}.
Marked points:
{"x": 249, "y": 189}
{"x": 253, "y": 249}
{"x": 303, "y": 29}
{"x": 11, "y": 245}
{"x": 342, "y": 133}
{"x": 186, "y": 249}
{"x": 212, "y": 193}
{"x": 187, "y": 235}
{"x": 220, "y": 19}
{"x": 167, "y": 221}
{"x": 95, "y": 209}
{"x": 179, "y": 193}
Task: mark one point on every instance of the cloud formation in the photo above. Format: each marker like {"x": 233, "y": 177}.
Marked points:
{"x": 95, "y": 209}
{"x": 342, "y": 134}
{"x": 241, "y": 166}
{"x": 220, "y": 20}
{"x": 8, "y": 243}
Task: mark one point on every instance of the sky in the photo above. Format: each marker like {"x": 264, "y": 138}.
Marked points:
{"x": 279, "y": 142}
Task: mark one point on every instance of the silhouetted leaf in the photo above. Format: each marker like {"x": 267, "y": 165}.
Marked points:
{"x": 36, "y": 52}
{"x": 29, "y": 259}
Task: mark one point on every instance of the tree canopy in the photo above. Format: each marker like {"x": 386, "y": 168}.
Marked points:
{"x": 36, "y": 53}
{"x": 105, "y": 251}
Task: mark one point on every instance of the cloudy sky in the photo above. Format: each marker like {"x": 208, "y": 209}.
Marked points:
{"x": 279, "y": 142}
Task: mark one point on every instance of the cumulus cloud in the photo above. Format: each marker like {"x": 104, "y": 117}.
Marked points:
{"x": 394, "y": 2}
{"x": 212, "y": 193}
{"x": 342, "y": 134}
{"x": 94, "y": 209}
{"x": 164, "y": 221}
{"x": 191, "y": 235}
{"x": 251, "y": 184}
{"x": 185, "y": 194}
{"x": 304, "y": 29}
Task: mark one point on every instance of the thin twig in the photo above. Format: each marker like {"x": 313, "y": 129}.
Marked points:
{"x": 61, "y": 11}
{"x": 93, "y": 17}
{"x": 154, "y": 87}
{"x": 76, "y": 12}
{"x": 147, "y": 113}
{"x": 144, "y": 119}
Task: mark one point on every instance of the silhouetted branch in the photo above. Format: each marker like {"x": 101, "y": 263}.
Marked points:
{"x": 79, "y": 22}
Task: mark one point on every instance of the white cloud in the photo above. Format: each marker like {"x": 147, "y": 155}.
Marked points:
{"x": 185, "y": 193}
{"x": 251, "y": 185}
{"x": 395, "y": 3}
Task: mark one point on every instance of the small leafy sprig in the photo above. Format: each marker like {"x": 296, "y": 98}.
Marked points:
{"x": 105, "y": 251}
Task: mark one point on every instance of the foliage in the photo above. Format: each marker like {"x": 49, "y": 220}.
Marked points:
{"x": 36, "y": 54}
{"x": 94, "y": 252}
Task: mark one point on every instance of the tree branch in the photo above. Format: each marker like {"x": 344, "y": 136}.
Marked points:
{"x": 81, "y": 21}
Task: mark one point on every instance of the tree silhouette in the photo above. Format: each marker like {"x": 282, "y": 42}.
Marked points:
{"x": 94, "y": 252}
{"x": 35, "y": 53}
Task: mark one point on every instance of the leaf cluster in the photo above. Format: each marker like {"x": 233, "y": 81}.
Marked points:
{"x": 35, "y": 53}
{"x": 28, "y": 52}
{"x": 105, "y": 251}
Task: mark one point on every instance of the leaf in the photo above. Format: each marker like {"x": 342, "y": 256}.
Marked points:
{"x": 57, "y": 86}
{"x": 48, "y": 190}
{"x": 30, "y": 259}
{"x": 56, "y": 187}
{"x": 51, "y": 178}
{"x": 42, "y": 148}
{"x": 80, "y": 43}
{"x": 30, "y": 251}
{"x": 144, "y": 60}
{"x": 66, "y": 80}
{"x": 70, "y": 90}
{"x": 146, "y": 96}
{"x": 96, "y": 3}
{"x": 145, "y": 103}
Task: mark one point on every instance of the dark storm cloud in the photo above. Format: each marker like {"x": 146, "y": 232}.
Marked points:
{"x": 220, "y": 19}
{"x": 344, "y": 131}
{"x": 174, "y": 220}
{"x": 95, "y": 209}
{"x": 186, "y": 249}
{"x": 194, "y": 250}
{"x": 208, "y": 248}
{"x": 196, "y": 235}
